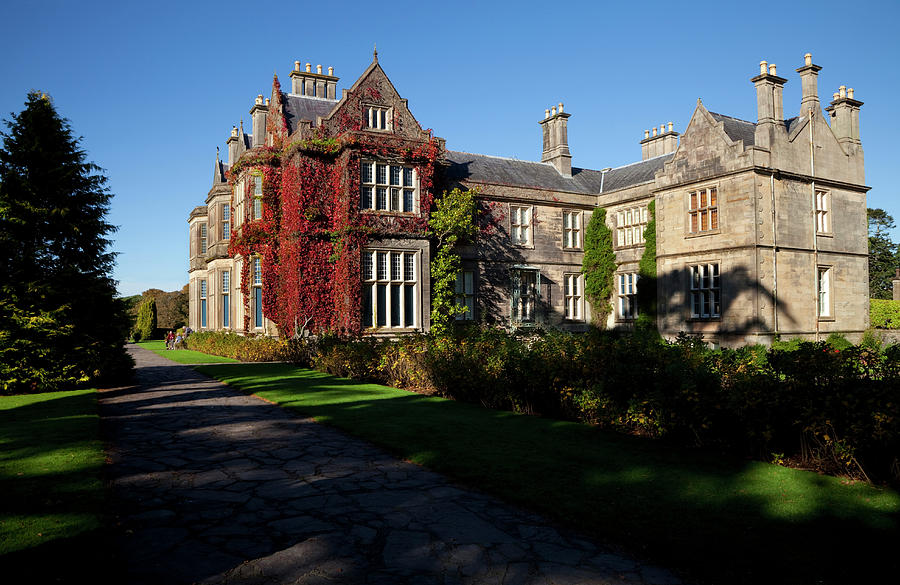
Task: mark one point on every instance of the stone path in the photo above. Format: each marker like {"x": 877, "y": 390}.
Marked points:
{"x": 213, "y": 486}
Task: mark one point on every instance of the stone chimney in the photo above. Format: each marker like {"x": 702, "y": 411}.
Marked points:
{"x": 844, "y": 111}
{"x": 305, "y": 82}
{"x": 658, "y": 144}
{"x": 556, "y": 140}
{"x": 234, "y": 146}
{"x": 809, "y": 78}
{"x": 258, "y": 116}
{"x": 769, "y": 103}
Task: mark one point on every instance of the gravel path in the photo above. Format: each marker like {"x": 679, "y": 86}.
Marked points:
{"x": 212, "y": 486}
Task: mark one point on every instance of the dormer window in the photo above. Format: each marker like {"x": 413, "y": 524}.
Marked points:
{"x": 378, "y": 118}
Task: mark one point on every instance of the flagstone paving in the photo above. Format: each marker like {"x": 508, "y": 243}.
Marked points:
{"x": 212, "y": 486}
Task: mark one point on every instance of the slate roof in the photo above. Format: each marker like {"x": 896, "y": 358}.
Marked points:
{"x": 737, "y": 129}
{"x": 465, "y": 166}
{"x": 299, "y": 107}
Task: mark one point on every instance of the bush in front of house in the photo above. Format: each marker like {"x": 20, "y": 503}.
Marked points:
{"x": 884, "y": 314}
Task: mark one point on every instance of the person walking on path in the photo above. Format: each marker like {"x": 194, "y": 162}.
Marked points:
{"x": 213, "y": 486}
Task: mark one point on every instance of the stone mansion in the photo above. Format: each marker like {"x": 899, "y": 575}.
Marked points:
{"x": 317, "y": 219}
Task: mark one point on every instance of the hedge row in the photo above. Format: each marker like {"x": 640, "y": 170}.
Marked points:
{"x": 248, "y": 348}
{"x": 831, "y": 405}
{"x": 884, "y": 314}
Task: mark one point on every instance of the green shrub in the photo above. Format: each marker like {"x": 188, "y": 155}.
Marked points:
{"x": 884, "y": 314}
{"x": 246, "y": 348}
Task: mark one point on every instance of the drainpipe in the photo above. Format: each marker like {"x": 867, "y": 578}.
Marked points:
{"x": 812, "y": 172}
{"x": 774, "y": 256}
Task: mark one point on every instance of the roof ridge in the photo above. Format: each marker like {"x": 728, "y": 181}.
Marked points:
{"x": 641, "y": 161}
{"x": 312, "y": 97}
{"x": 501, "y": 157}
{"x": 732, "y": 118}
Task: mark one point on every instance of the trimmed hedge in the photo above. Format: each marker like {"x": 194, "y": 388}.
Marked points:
{"x": 247, "y": 348}
{"x": 884, "y": 314}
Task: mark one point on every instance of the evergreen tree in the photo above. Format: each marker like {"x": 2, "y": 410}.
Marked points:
{"x": 884, "y": 255}
{"x": 146, "y": 320}
{"x": 60, "y": 323}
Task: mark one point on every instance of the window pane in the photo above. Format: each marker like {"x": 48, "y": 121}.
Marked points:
{"x": 470, "y": 282}
{"x": 395, "y": 305}
{"x": 713, "y": 219}
{"x": 395, "y": 199}
{"x": 408, "y": 200}
{"x": 257, "y": 302}
{"x": 694, "y": 222}
{"x": 693, "y": 201}
{"x": 395, "y": 175}
{"x": 381, "y": 201}
{"x": 365, "y": 197}
{"x": 407, "y": 177}
{"x": 381, "y": 305}
{"x": 409, "y": 305}
{"x": 395, "y": 265}
{"x": 203, "y": 313}
{"x": 382, "y": 265}
{"x": 366, "y": 175}
{"x": 367, "y": 306}
{"x": 712, "y": 197}
{"x": 410, "y": 266}
{"x": 367, "y": 265}
{"x": 382, "y": 174}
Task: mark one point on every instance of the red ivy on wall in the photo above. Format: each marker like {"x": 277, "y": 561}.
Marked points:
{"x": 312, "y": 231}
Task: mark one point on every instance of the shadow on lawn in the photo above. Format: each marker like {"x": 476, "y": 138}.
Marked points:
{"x": 687, "y": 509}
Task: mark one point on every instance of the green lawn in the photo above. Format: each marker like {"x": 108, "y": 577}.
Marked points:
{"x": 721, "y": 519}
{"x": 184, "y": 356}
{"x": 51, "y": 461}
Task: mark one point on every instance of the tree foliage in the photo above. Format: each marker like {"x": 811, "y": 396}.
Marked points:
{"x": 146, "y": 319}
{"x": 171, "y": 307}
{"x": 884, "y": 255}
{"x": 598, "y": 266}
{"x": 60, "y": 323}
{"x": 451, "y": 223}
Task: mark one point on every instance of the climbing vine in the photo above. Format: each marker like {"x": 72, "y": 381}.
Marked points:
{"x": 598, "y": 266}
{"x": 453, "y": 222}
{"x": 646, "y": 293}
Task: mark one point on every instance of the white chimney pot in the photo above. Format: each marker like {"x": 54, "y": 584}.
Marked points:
{"x": 850, "y": 93}
{"x": 762, "y": 67}
{"x": 296, "y": 65}
{"x": 843, "y": 91}
{"x": 807, "y": 59}
{"x": 772, "y": 69}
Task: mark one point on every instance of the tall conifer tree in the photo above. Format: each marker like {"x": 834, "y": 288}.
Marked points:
{"x": 60, "y": 323}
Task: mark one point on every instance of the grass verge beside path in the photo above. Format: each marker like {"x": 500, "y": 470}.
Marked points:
{"x": 720, "y": 519}
{"x": 184, "y": 356}
{"x": 51, "y": 462}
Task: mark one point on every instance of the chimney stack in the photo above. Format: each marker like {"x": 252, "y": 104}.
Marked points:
{"x": 844, "y": 111}
{"x": 258, "y": 116}
{"x": 306, "y": 83}
{"x": 664, "y": 142}
{"x": 809, "y": 77}
{"x": 556, "y": 140}
{"x": 234, "y": 143}
{"x": 769, "y": 103}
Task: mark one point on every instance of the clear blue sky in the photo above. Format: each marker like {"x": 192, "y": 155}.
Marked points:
{"x": 154, "y": 87}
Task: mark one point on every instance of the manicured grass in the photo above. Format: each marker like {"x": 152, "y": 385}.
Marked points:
{"x": 720, "y": 519}
{"x": 51, "y": 461}
{"x": 184, "y": 356}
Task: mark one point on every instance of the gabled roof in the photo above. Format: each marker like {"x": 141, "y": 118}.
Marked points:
{"x": 737, "y": 129}
{"x": 464, "y": 166}
{"x": 300, "y": 107}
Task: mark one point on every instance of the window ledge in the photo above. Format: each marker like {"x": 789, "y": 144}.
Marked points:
{"x": 826, "y": 319}
{"x": 701, "y": 234}
{"x": 824, "y": 234}
{"x": 703, "y": 319}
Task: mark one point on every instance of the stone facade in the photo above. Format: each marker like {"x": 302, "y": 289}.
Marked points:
{"x": 760, "y": 226}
